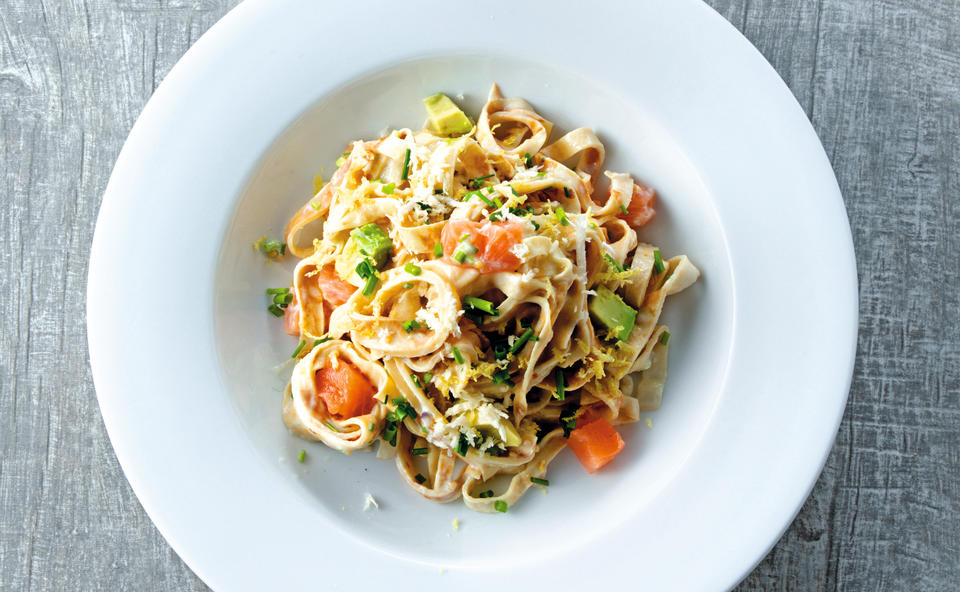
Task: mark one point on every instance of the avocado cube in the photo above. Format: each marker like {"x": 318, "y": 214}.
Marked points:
{"x": 445, "y": 117}
{"x": 373, "y": 242}
{"x": 612, "y": 312}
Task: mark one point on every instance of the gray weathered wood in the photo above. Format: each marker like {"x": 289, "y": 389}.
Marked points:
{"x": 880, "y": 80}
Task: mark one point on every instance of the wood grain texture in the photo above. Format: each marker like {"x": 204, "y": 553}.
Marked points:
{"x": 880, "y": 80}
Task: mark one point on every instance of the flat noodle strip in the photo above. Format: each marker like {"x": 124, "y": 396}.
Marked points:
{"x": 485, "y": 297}
{"x": 306, "y": 414}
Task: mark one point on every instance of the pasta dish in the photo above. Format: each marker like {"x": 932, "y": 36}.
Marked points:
{"x": 475, "y": 297}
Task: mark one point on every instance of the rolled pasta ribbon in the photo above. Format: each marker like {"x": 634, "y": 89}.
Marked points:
{"x": 646, "y": 387}
{"x": 377, "y": 322}
{"x": 581, "y": 141}
{"x": 306, "y": 414}
{"x": 443, "y": 481}
{"x": 313, "y": 310}
{"x": 523, "y": 130}
{"x": 306, "y": 225}
{"x": 536, "y": 467}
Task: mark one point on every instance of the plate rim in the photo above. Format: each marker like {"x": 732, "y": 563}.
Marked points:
{"x": 121, "y": 441}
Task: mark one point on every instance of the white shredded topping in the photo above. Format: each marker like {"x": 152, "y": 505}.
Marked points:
{"x": 521, "y": 250}
{"x": 369, "y": 502}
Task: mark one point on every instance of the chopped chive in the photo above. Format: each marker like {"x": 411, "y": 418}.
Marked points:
{"x": 539, "y": 481}
{"x": 486, "y": 200}
{"x": 272, "y": 291}
{"x": 561, "y": 385}
{"x": 418, "y": 477}
{"x": 410, "y": 326}
{"x": 270, "y": 247}
{"x": 416, "y": 381}
{"x": 419, "y": 451}
{"x": 475, "y": 183}
{"x": 623, "y": 208}
{"x": 485, "y": 494}
{"x": 462, "y": 445}
{"x": 502, "y": 377}
{"x": 535, "y": 225}
{"x": 521, "y": 341}
{"x": 370, "y": 285}
{"x": 465, "y": 251}
{"x": 514, "y": 191}
{"x": 412, "y": 268}
{"x": 317, "y": 342}
{"x": 314, "y": 204}
{"x": 613, "y": 262}
{"x": 481, "y": 305}
{"x": 407, "y": 285}
{"x": 437, "y": 250}
{"x": 562, "y": 216}
{"x": 275, "y": 310}
{"x": 388, "y": 188}
{"x": 427, "y": 377}
{"x": 496, "y": 216}
{"x": 658, "y": 261}
{"x": 296, "y": 352}
{"x": 339, "y": 162}
{"x": 527, "y": 160}
{"x": 365, "y": 269}
{"x": 664, "y": 337}
{"x": 404, "y": 409}
{"x": 302, "y": 456}
{"x": 457, "y": 355}
{"x": 541, "y": 175}
{"x": 500, "y": 350}
{"x": 566, "y": 191}
{"x": 500, "y": 506}
{"x": 406, "y": 166}
{"x": 332, "y": 426}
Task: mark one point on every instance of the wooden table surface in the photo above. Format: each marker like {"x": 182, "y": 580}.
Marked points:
{"x": 880, "y": 80}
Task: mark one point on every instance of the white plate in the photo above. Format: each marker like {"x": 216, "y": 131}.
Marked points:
{"x": 183, "y": 351}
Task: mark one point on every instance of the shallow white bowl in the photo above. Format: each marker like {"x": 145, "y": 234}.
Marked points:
{"x": 184, "y": 361}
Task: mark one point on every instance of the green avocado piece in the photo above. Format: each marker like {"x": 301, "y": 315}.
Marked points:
{"x": 612, "y": 312}
{"x": 489, "y": 426}
{"x": 445, "y": 117}
{"x": 373, "y": 242}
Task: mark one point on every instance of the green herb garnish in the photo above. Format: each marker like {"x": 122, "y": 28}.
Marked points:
{"x": 302, "y": 456}
{"x": 539, "y": 481}
{"x": 613, "y": 262}
{"x": 296, "y": 352}
{"x": 411, "y": 325}
{"x": 406, "y": 166}
{"x": 561, "y": 384}
{"x": 658, "y": 262}
{"x": 562, "y": 216}
{"x": 437, "y": 250}
{"x": 664, "y": 337}
{"x": 482, "y": 305}
{"x": 500, "y": 506}
{"x": 521, "y": 341}
{"x": 457, "y": 355}
{"x": 419, "y": 451}
{"x": 412, "y": 268}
